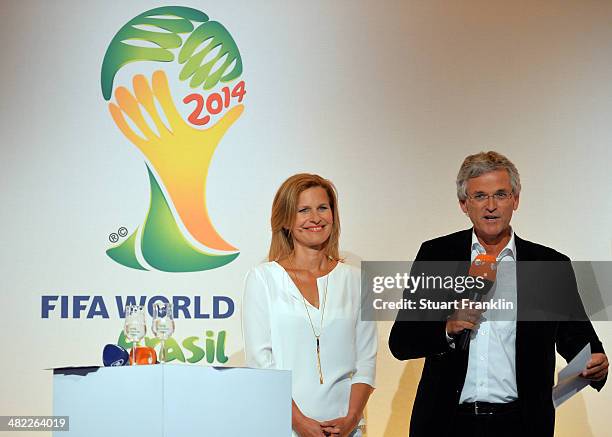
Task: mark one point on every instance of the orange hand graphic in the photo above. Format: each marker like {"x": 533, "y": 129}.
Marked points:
{"x": 180, "y": 154}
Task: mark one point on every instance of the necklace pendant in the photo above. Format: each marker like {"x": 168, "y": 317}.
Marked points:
{"x": 319, "y": 362}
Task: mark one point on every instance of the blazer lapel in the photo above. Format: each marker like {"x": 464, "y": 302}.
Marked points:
{"x": 523, "y": 253}
{"x": 460, "y": 252}
{"x": 461, "y": 249}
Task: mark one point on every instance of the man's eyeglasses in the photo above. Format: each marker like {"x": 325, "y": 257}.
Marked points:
{"x": 500, "y": 196}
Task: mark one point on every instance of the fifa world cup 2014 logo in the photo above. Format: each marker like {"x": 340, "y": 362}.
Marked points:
{"x": 177, "y": 234}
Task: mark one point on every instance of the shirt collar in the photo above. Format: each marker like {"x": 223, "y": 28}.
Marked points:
{"x": 508, "y": 250}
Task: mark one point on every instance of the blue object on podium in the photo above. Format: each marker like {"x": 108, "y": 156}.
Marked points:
{"x": 173, "y": 400}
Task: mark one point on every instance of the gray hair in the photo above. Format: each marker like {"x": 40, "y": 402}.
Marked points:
{"x": 485, "y": 162}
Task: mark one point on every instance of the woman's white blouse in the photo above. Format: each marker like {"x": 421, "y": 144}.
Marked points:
{"x": 278, "y": 335}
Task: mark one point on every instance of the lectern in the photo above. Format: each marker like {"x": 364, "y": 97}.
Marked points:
{"x": 173, "y": 400}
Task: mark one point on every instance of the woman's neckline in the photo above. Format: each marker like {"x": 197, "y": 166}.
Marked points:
{"x": 318, "y": 277}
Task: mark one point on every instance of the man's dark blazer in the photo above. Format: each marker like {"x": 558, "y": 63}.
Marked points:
{"x": 445, "y": 368}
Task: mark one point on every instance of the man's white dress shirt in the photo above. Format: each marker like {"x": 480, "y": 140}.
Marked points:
{"x": 491, "y": 373}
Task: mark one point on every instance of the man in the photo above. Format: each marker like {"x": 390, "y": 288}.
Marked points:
{"x": 502, "y": 384}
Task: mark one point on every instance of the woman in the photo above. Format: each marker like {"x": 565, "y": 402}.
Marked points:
{"x": 301, "y": 312}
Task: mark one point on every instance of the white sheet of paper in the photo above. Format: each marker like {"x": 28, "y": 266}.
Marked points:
{"x": 570, "y": 382}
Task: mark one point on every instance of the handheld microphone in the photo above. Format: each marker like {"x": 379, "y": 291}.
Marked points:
{"x": 485, "y": 267}
{"x": 114, "y": 356}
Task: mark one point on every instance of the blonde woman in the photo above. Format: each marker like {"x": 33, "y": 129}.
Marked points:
{"x": 301, "y": 312}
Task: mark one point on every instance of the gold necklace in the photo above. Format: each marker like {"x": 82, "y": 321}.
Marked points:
{"x": 316, "y": 336}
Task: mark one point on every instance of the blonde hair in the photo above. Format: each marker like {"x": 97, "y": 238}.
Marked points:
{"x": 485, "y": 162}
{"x": 284, "y": 209}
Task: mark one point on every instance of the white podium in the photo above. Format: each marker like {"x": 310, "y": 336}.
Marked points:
{"x": 173, "y": 400}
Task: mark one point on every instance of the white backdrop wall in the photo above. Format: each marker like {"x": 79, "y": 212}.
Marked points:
{"x": 384, "y": 98}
